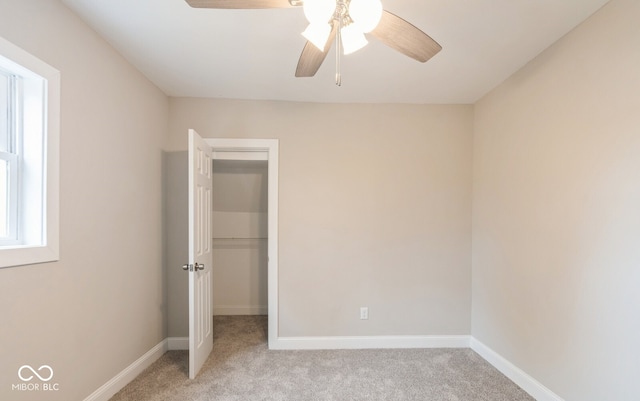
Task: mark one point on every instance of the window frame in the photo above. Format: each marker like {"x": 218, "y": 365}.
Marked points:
{"x": 11, "y": 156}
{"x": 45, "y": 248}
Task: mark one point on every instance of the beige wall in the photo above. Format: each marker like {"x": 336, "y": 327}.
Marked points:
{"x": 101, "y": 306}
{"x": 176, "y": 234}
{"x": 374, "y": 210}
{"x": 556, "y": 212}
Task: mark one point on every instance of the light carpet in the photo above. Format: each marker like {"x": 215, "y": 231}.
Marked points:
{"x": 242, "y": 368}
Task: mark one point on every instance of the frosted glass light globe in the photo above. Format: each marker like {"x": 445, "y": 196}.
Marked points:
{"x": 319, "y": 11}
{"x": 317, "y": 34}
{"x": 365, "y": 13}
{"x": 352, "y": 39}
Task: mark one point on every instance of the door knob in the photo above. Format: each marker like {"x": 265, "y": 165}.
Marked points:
{"x": 199, "y": 266}
{"x": 185, "y": 267}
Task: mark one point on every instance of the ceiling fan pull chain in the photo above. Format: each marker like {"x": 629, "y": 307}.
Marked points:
{"x": 338, "y": 51}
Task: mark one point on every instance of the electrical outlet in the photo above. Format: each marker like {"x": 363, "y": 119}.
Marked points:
{"x": 364, "y": 313}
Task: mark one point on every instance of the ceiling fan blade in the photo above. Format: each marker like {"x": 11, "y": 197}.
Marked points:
{"x": 399, "y": 34}
{"x": 243, "y": 4}
{"x": 311, "y": 58}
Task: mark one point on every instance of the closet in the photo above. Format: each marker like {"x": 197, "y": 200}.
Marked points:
{"x": 240, "y": 234}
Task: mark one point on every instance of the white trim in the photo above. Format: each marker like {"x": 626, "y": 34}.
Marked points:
{"x": 240, "y": 155}
{"x": 177, "y": 343}
{"x": 249, "y": 147}
{"x": 515, "y": 374}
{"x": 107, "y": 390}
{"x": 369, "y": 342}
{"x": 223, "y": 310}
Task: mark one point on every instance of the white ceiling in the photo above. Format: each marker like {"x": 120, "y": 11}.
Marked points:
{"x": 252, "y": 54}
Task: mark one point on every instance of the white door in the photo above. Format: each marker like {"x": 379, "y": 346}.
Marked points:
{"x": 200, "y": 313}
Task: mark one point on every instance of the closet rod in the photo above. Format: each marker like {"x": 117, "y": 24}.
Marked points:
{"x": 240, "y": 238}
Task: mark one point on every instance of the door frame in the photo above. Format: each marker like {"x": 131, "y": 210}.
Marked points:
{"x": 260, "y": 149}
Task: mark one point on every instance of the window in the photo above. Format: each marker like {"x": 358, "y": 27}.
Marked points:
{"x": 9, "y": 160}
{"x": 29, "y": 142}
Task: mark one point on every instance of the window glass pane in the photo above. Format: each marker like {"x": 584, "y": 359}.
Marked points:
{"x": 4, "y": 198}
{"x": 4, "y": 112}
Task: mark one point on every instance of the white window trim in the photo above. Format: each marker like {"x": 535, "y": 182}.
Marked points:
{"x": 50, "y": 250}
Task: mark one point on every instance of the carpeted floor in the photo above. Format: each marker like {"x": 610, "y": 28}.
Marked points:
{"x": 241, "y": 368}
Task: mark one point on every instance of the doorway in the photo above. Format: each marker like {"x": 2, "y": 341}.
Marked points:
{"x": 247, "y": 226}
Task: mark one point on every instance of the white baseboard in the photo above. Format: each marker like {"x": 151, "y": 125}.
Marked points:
{"x": 515, "y": 374}
{"x": 240, "y": 310}
{"x": 365, "y": 342}
{"x": 178, "y": 343}
{"x": 123, "y": 378}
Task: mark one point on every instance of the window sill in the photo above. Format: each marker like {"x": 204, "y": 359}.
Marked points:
{"x": 20, "y": 255}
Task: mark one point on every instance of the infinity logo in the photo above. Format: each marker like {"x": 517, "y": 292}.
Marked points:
{"x": 26, "y": 379}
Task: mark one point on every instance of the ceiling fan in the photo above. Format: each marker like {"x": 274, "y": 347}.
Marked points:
{"x": 348, "y": 20}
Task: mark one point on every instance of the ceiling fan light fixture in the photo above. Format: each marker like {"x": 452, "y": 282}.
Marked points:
{"x": 366, "y": 14}
{"x": 317, "y": 34}
{"x": 319, "y": 11}
{"x": 352, "y": 39}
{"x": 329, "y": 18}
